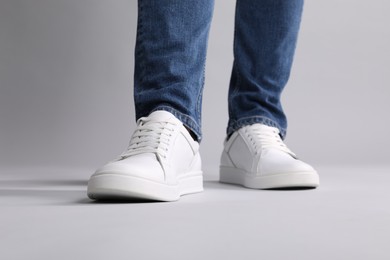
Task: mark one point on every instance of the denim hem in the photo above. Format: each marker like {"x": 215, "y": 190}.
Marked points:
{"x": 187, "y": 120}
{"x": 234, "y": 125}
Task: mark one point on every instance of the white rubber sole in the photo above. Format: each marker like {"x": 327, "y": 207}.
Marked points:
{"x": 283, "y": 180}
{"x": 117, "y": 186}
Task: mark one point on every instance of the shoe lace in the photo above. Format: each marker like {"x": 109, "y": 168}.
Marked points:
{"x": 265, "y": 137}
{"x": 150, "y": 137}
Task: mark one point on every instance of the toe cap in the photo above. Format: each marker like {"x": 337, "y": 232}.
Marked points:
{"x": 273, "y": 161}
{"x": 142, "y": 166}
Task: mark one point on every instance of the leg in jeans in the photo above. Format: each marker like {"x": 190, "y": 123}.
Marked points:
{"x": 162, "y": 160}
{"x": 255, "y": 156}
{"x": 170, "y": 58}
{"x": 264, "y": 44}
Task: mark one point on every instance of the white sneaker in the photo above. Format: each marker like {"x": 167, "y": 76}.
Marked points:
{"x": 256, "y": 157}
{"x": 162, "y": 162}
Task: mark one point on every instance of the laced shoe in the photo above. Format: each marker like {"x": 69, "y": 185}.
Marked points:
{"x": 256, "y": 157}
{"x": 162, "y": 162}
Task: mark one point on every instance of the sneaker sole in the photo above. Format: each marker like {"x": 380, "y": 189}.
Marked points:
{"x": 121, "y": 187}
{"x": 283, "y": 180}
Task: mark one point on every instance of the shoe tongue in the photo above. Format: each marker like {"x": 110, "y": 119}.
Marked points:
{"x": 162, "y": 116}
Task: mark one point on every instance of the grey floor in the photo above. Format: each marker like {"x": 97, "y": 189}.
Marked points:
{"x": 44, "y": 214}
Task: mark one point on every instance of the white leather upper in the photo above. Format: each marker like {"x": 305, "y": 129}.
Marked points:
{"x": 160, "y": 149}
{"x": 258, "y": 150}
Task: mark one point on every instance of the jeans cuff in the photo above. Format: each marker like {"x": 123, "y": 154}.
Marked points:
{"x": 187, "y": 120}
{"x": 234, "y": 125}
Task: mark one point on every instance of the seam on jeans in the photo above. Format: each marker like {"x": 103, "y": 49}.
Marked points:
{"x": 187, "y": 120}
{"x": 238, "y": 77}
{"x": 140, "y": 52}
{"x": 236, "y": 67}
{"x": 234, "y": 91}
{"x": 237, "y": 74}
{"x": 200, "y": 94}
{"x": 234, "y": 125}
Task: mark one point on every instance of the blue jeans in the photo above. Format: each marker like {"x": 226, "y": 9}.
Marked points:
{"x": 170, "y": 56}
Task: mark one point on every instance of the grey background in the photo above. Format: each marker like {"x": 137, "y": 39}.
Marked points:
{"x": 66, "y": 107}
{"x": 66, "y": 70}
